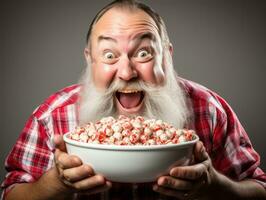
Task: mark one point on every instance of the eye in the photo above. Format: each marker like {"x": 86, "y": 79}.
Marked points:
{"x": 142, "y": 53}
{"x": 109, "y": 55}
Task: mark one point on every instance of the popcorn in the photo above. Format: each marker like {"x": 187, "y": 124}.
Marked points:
{"x": 137, "y": 124}
{"x": 163, "y": 137}
{"x": 151, "y": 142}
{"x": 159, "y": 132}
{"x": 147, "y": 131}
{"x": 127, "y": 125}
{"x": 118, "y": 136}
{"x": 182, "y": 138}
{"x": 134, "y": 138}
{"x": 139, "y": 118}
{"x": 179, "y": 132}
{"x": 91, "y": 133}
{"x": 130, "y": 131}
{"x": 117, "y": 127}
{"x": 112, "y": 140}
{"x": 108, "y": 131}
{"x": 172, "y": 130}
{"x": 136, "y": 131}
{"x": 159, "y": 122}
{"x": 101, "y": 137}
{"x": 126, "y": 133}
{"x": 95, "y": 142}
{"x": 126, "y": 140}
{"x": 107, "y": 120}
{"x": 83, "y": 137}
{"x": 75, "y": 136}
{"x": 144, "y": 139}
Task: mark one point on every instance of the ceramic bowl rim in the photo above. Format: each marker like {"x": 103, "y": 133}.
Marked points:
{"x": 127, "y": 147}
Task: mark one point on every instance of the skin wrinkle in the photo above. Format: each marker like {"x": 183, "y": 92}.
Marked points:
{"x": 207, "y": 182}
{"x": 108, "y": 43}
{"x": 124, "y": 30}
{"x": 135, "y": 41}
{"x": 138, "y": 25}
{"x": 126, "y": 67}
{"x": 125, "y": 27}
{"x": 128, "y": 37}
{"x": 122, "y": 25}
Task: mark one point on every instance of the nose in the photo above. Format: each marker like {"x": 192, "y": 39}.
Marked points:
{"x": 126, "y": 70}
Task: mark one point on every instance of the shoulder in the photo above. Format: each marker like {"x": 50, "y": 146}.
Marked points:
{"x": 64, "y": 97}
{"x": 210, "y": 112}
{"x": 201, "y": 96}
{"x": 195, "y": 90}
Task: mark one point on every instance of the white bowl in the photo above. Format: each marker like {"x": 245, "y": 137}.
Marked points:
{"x": 131, "y": 164}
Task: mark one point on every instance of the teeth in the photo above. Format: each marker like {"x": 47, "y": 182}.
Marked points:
{"x": 128, "y": 91}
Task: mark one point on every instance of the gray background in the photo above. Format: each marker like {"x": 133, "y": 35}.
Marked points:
{"x": 220, "y": 44}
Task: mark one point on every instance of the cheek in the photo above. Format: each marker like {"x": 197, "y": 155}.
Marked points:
{"x": 151, "y": 73}
{"x": 102, "y": 75}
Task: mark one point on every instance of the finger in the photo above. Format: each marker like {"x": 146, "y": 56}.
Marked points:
{"x": 59, "y": 143}
{"x": 173, "y": 183}
{"x": 90, "y": 182}
{"x": 170, "y": 192}
{"x": 98, "y": 189}
{"x": 200, "y": 153}
{"x": 191, "y": 172}
{"x": 78, "y": 173}
{"x": 65, "y": 161}
{"x": 199, "y": 188}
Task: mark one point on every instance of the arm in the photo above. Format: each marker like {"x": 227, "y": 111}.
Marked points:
{"x": 231, "y": 152}
{"x": 67, "y": 177}
{"x": 202, "y": 181}
{"x": 47, "y": 187}
{"x": 246, "y": 189}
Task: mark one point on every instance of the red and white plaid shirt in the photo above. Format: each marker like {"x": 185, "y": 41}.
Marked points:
{"x": 214, "y": 121}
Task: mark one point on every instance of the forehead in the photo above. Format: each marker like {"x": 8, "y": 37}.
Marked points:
{"x": 124, "y": 23}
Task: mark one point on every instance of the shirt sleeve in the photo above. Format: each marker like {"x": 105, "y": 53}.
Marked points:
{"x": 233, "y": 154}
{"x": 30, "y": 157}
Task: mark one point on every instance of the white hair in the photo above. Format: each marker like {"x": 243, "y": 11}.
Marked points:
{"x": 166, "y": 102}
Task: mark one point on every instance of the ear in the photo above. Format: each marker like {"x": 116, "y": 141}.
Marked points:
{"x": 87, "y": 54}
{"x": 171, "y": 49}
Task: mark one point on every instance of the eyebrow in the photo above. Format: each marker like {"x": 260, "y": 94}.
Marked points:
{"x": 143, "y": 36}
{"x": 138, "y": 37}
{"x": 102, "y": 37}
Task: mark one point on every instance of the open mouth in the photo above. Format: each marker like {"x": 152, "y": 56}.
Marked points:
{"x": 129, "y": 98}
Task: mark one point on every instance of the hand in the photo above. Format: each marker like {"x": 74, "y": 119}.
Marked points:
{"x": 189, "y": 182}
{"x": 74, "y": 175}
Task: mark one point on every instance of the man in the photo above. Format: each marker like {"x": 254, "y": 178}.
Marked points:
{"x": 130, "y": 72}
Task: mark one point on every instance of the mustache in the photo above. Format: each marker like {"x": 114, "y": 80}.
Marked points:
{"x": 119, "y": 85}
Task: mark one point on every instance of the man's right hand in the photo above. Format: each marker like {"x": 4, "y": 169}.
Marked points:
{"x": 68, "y": 176}
{"x": 74, "y": 175}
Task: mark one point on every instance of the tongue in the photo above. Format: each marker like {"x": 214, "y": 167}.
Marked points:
{"x": 129, "y": 100}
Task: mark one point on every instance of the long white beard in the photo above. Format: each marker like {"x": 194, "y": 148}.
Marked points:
{"x": 167, "y": 102}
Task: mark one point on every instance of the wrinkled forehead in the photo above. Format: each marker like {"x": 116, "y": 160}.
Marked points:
{"x": 124, "y": 23}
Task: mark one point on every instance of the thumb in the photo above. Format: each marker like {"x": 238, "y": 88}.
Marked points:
{"x": 59, "y": 143}
{"x": 200, "y": 152}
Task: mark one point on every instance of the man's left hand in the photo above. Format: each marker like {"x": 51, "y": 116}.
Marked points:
{"x": 189, "y": 182}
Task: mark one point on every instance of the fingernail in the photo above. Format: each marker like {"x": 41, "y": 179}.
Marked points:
{"x": 162, "y": 181}
{"x": 155, "y": 188}
{"x": 202, "y": 150}
{"x": 203, "y": 154}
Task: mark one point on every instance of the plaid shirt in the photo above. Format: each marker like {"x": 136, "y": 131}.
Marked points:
{"x": 214, "y": 121}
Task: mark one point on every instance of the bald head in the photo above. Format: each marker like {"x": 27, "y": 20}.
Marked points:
{"x": 130, "y": 6}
